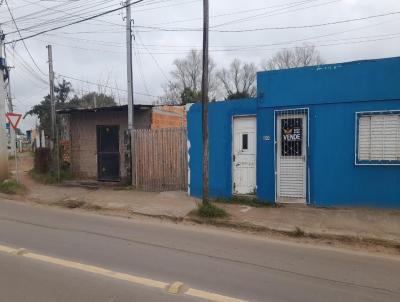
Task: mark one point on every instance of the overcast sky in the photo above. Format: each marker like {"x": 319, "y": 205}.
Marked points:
{"x": 94, "y": 51}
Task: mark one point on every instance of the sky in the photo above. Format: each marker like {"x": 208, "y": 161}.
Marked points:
{"x": 94, "y": 52}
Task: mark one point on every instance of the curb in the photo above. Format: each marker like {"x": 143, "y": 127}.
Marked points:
{"x": 298, "y": 233}
{"x": 246, "y": 227}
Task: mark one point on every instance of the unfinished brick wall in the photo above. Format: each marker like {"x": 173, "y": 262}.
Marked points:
{"x": 168, "y": 117}
{"x": 83, "y": 135}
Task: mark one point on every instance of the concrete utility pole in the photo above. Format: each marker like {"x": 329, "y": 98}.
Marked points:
{"x": 3, "y": 95}
{"x": 13, "y": 133}
{"x": 131, "y": 116}
{"x": 54, "y": 134}
{"x": 204, "y": 99}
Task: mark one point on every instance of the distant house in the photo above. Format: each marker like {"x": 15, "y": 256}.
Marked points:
{"x": 326, "y": 135}
{"x": 95, "y": 143}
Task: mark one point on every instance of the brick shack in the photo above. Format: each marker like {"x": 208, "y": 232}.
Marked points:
{"x": 94, "y": 140}
{"x": 98, "y": 142}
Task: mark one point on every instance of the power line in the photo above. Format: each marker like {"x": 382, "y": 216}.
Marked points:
{"x": 278, "y": 11}
{"x": 154, "y": 28}
{"x": 101, "y": 85}
{"x": 75, "y": 22}
{"x": 19, "y": 33}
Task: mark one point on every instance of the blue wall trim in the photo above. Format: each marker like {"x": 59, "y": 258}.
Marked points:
{"x": 343, "y": 82}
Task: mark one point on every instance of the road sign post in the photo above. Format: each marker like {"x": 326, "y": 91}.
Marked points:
{"x": 14, "y": 119}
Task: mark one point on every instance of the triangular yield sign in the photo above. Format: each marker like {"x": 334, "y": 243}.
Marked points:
{"x": 14, "y": 119}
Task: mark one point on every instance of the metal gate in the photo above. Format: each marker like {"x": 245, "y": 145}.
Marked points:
{"x": 291, "y": 155}
{"x": 160, "y": 159}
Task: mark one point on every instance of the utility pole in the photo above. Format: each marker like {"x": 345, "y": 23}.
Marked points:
{"x": 131, "y": 116}
{"x": 204, "y": 99}
{"x": 54, "y": 134}
{"x": 13, "y": 132}
{"x": 3, "y": 95}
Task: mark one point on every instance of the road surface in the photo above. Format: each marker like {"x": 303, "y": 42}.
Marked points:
{"x": 239, "y": 266}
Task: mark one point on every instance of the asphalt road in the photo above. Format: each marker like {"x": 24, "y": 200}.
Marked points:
{"x": 237, "y": 265}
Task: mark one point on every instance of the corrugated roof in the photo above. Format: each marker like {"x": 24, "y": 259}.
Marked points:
{"x": 102, "y": 109}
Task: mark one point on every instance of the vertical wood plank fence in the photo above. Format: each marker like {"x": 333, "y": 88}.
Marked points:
{"x": 161, "y": 162}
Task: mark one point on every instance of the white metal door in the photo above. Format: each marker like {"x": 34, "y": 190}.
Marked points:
{"x": 291, "y": 158}
{"x": 244, "y": 155}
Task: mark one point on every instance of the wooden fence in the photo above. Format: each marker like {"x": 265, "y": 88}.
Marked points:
{"x": 161, "y": 159}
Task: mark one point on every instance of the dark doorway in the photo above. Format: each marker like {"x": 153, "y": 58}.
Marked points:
{"x": 108, "y": 153}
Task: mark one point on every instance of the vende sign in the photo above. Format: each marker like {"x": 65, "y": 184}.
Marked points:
{"x": 13, "y": 119}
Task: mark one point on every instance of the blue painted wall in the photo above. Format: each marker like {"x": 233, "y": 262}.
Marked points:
{"x": 345, "y": 82}
{"x": 335, "y": 179}
{"x": 220, "y": 145}
{"x": 333, "y": 94}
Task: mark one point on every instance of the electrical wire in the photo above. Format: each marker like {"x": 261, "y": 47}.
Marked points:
{"x": 101, "y": 85}
{"x": 73, "y": 23}
{"x": 154, "y": 28}
{"x": 23, "y": 42}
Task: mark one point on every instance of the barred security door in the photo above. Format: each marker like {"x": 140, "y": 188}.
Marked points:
{"x": 291, "y": 157}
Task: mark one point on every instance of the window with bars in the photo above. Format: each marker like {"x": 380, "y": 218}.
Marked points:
{"x": 378, "y": 138}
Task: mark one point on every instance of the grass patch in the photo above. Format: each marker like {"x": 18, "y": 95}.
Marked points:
{"x": 124, "y": 188}
{"x": 50, "y": 178}
{"x": 297, "y": 233}
{"x": 12, "y": 187}
{"x": 253, "y": 202}
{"x": 71, "y": 203}
{"x": 209, "y": 210}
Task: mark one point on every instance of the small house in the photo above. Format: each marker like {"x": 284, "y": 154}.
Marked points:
{"x": 326, "y": 135}
{"x": 96, "y": 143}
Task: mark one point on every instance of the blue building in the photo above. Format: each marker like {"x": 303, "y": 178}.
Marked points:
{"x": 326, "y": 135}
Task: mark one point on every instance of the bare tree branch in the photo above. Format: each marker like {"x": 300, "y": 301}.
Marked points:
{"x": 306, "y": 55}
{"x": 239, "y": 80}
{"x": 185, "y": 85}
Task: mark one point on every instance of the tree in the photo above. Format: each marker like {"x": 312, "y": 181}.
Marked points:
{"x": 90, "y": 100}
{"x": 185, "y": 86}
{"x": 62, "y": 100}
{"x": 239, "y": 80}
{"x": 43, "y": 110}
{"x": 306, "y": 55}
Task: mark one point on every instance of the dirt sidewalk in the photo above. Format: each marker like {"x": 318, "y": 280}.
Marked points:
{"x": 365, "y": 227}
{"x": 171, "y": 204}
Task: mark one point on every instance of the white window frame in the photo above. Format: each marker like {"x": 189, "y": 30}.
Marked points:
{"x": 358, "y": 162}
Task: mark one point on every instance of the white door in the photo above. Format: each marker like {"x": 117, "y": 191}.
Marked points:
{"x": 291, "y": 158}
{"x": 244, "y": 155}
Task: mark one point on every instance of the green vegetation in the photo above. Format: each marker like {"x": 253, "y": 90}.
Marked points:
{"x": 71, "y": 203}
{"x": 253, "y": 202}
{"x": 12, "y": 187}
{"x": 298, "y": 233}
{"x": 50, "y": 178}
{"x": 124, "y": 188}
{"x": 209, "y": 210}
